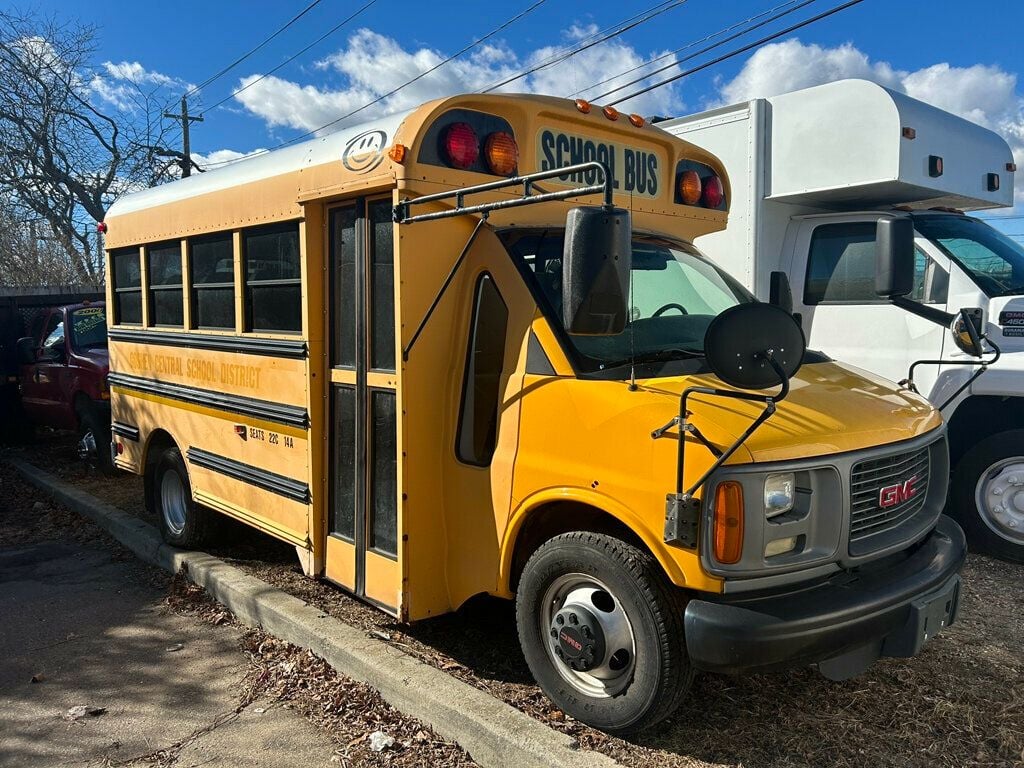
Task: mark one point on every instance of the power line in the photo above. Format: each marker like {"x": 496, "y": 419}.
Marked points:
{"x": 738, "y": 51}
{"x": 239, "y": 60}
{"x": 631, "y": 23}
{"x": 705, "y": 49}
{"x": 655, "y": 60}
{"x": 392, "y": 92}
{"x": 292, "y": 58}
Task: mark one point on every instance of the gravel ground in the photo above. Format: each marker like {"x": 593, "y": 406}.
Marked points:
{"x": 960, "y": 703}
{"x": 277, "y": 672}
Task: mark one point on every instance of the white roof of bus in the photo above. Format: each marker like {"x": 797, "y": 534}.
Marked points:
{"x": 321, "y": 149}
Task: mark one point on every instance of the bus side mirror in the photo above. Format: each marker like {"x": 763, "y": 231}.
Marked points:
{"x": 894, "y": 256}
{"x": 596, "y": 261}
{"x": 966, "y": 330}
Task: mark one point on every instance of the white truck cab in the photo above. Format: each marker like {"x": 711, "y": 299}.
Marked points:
{"x": 813, "y": 172}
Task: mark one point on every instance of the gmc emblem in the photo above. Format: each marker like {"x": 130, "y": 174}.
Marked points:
{"x": 571, "y": 641}
{"x": 891, "y": 495}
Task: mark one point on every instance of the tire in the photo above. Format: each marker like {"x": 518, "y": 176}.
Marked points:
{"x": 987, "y": 474}
{"x": 602, "y": 580}
{"x": 183, "y": 523}
{"x": 94, "y": 439}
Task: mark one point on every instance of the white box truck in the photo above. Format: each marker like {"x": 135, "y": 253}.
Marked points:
{"x": 813, "y": 172}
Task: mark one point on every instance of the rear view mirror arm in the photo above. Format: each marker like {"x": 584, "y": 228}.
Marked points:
{"x": 931, "y": 314}
{"x": 983, "y": 365}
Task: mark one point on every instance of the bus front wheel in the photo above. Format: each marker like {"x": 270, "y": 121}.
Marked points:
{"x": 602, "y": 631}
{"x": 987, "y": 495}
{"x": 183, "y": 523}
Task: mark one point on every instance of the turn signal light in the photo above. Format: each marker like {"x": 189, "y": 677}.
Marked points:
{"x": 689, "y": 187}
{"x": 461, "y": 145}
{"x": 728, "y": 522}
{"x": 713, "y": 192}
{"x": 502, "y": 153}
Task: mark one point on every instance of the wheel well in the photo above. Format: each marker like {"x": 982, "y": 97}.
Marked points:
{"x": 981, "y": 416}
{"x": 159, "y": 441}
{"x": 550, "y": 520}
{"x": 80, "y": 403}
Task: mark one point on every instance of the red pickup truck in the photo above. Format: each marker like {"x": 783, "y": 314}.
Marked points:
{"x": 63, "y": 375}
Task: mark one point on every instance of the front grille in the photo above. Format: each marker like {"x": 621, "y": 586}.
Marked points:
{"x": 868, "y": 479}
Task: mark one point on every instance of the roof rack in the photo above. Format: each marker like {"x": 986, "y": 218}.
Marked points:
{"x": 402, "y": 214}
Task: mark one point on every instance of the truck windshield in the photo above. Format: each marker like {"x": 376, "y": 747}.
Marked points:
{"x": 994, "y": 261}
{"x": 88, "y": 328}
{"x": 675, "y": 294}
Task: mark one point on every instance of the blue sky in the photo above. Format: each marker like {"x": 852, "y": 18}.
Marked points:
{"x": 902, "y": 44}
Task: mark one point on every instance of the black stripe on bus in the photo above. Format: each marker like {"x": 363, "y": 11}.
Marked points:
{"x": 296, "y": 490}
{"x": 290, "y": 415}
{"x": 126, "y": 431}
{"x": 251, "y": 346}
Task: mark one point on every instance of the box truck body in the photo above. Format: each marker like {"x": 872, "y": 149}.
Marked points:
{"x": 812, "y": 173}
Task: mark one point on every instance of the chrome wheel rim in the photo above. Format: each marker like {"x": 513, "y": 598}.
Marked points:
{"x": 608, "y": 669}
{"x": 172, "y": 502}
{"x": 999, "y": 498}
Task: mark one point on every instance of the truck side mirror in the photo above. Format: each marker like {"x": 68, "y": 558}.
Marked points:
{"x": 779, "y": 292}
{"x": 26, "y": 347}
{"x": 894, "y": 256}
{"x": 596, "y": 260}
{"x": 966, "y": 330}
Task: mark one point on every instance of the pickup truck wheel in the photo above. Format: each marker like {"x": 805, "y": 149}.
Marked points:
{"x": 94, "y": 439}
{"x": 602, "y": 631}
{"x": 988, "y": 495}
{"x": 183, "y": 523}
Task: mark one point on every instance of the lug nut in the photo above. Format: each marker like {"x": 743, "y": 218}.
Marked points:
{"x": 558, "y": 653}
{"x": 559, "y": 620}
{"x": 585, "y": 631}
{"x": 573, "y": 619}
{"x": 554, "y": 633}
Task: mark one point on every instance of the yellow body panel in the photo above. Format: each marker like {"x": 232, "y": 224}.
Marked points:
{"x": 559, "y": 438}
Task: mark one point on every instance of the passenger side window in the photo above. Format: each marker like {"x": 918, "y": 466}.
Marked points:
{"x": 53, "y": 346}
{"x": 481, "y": 386}
{"x": 126, "y": 272}
{"x": 212, "y": 272}
{"x": 163, "y": 273}
{"x": 273, "y": 279}
{"x": 841, "y": 268}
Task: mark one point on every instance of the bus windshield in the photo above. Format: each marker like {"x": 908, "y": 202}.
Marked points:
{"x": 675, "y": 293}
{"x": 994, "y": 261}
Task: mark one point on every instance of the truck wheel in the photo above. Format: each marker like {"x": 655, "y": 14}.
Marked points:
{"x": 94, "y": 439}
{"x": 602, "y": 631}
{"x": 988, "y": 495}
{"x": 183, "y": 523}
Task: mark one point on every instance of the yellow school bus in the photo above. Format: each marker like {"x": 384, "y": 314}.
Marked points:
{"x": 470, "y": 349}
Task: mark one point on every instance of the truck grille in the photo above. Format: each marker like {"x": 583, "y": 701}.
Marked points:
{"x": 887, "y": 492}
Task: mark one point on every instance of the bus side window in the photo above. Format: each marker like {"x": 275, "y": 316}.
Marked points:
{"x": 163, "y": 273}
{"x": 126, "y": 271}
{"x": 481, "y": 386}
{"x": 273, "y": 279}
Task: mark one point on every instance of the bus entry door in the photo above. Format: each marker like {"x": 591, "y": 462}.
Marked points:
{"x": 362, "y": 552}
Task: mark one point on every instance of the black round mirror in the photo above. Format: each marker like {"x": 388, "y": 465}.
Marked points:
{"x": 738, "y": 340}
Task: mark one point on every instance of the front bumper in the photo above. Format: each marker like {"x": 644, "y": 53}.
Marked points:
{"x": 881, "y": 609}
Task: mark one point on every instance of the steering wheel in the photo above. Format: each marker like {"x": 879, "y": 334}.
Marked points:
{"x": 667, "y": 307}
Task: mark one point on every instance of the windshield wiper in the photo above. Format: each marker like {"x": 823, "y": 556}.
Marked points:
{"x": 655, "y": 356}
{"x": 1012, "y": 291}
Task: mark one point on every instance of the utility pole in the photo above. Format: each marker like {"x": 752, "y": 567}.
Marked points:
{"x": 186, "y": 150}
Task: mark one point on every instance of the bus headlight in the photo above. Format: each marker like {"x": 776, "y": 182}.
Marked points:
{"x": 779, "y": 490}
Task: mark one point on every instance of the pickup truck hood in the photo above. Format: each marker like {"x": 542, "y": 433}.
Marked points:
{"x": 98, "y": 359}
{"x": 831, "y": 408}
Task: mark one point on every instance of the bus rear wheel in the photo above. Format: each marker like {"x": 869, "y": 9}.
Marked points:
{"x": 183, "y": 523}
{"x": 602, "y": 631}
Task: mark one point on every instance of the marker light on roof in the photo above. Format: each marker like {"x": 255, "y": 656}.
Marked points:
{"x": 583, "y": 106}
{"x": 611, "y": 113}
{"x": 501, "y": 153}
{"x": 101, "y": 227}
{"x": 637, "y": 120}
{"x": 461, "y": 145}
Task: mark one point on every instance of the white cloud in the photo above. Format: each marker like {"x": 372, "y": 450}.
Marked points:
{"x": 983, "y": 94}
{"x": 127, "y": 84}
{"x": 221, "y": 157}
{"x": 371, "y": 65}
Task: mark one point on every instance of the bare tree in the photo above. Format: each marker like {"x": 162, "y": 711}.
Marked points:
{"x": 63, "y": 160}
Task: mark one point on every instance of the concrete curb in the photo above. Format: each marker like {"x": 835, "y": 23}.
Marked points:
{"x": 494, "y": 733}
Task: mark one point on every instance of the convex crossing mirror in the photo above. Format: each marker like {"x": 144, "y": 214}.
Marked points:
{"x": 743, "y": 341}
